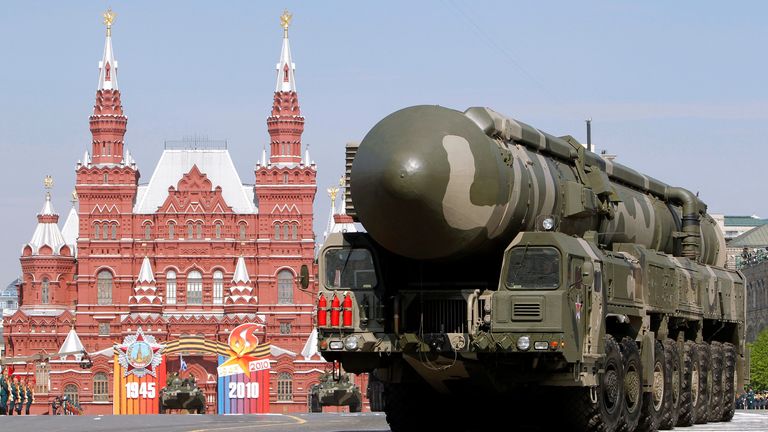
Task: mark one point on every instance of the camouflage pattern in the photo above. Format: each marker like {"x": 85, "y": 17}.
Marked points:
{"x": 470, "y": 182}
{"x": 475, "y": 292}
{"x": 331, "y": 391}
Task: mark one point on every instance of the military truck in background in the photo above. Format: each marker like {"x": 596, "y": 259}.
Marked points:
{"x": 504, "y": 269}
{"x": 181, "y": 394}
{"x": 335, "y": 391}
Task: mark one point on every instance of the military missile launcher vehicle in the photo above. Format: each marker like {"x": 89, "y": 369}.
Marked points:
{"x": 501, "y": 265}
{"x": 335, "y": 391}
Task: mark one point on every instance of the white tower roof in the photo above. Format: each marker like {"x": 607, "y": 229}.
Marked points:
{"x": 108, "y": 64}
{"x": 71, "y": 343}
{"x": 71, "y": 229}
{"x": 47, "y": 232}
{"x": 145, "y": 274}
{"x": 285, "y": 81}
{"x": 310, "y": 347}
{"x": 241, "y": 273}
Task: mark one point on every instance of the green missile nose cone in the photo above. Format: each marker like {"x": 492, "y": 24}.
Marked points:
{"x": 404, "y": 179}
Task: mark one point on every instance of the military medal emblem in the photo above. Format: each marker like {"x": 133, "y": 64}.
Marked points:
{"x": 139, "y": 354}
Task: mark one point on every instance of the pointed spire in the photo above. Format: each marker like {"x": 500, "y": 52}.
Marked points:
{"x": 264, "y": 157}
{"x": 146, "y": 275}
{"x": 72, "y": 344}
{"x": 241, "y": 273}
{"x": 47, "y": 232}
{"x": 71, "y": 229}
{"x": 108, "y": 64}
{"x": 285, "y": 67}
{"x": 307, "y": 161}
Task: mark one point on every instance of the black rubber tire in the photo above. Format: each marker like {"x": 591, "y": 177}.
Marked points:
{"x": 654, "y": 402}
{"x": 702, "y": 409}
{"x": 729, "y": 381}
{"x": 716, "y": 385}
{"x": 690, "y": 360}
{"x": 674, "y": 373}
{"x": 633, "y": 385}
{"x": 314, "y": 404}
{"x": 602, "y": 416}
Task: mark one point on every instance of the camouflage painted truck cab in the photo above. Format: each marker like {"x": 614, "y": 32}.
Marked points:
{"x": 505, "y": 270}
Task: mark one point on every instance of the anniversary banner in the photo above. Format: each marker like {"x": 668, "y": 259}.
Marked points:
{"x": 243, "y": 383}
{"x": 139, "y": 375}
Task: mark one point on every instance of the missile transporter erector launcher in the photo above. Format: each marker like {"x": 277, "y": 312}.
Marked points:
{"x": 502, "y": 264}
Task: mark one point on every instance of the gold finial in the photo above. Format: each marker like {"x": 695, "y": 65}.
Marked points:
{"x": 285, "y": 21}
{"x": 74, "y": 197}
{"x": 109, "y": 18}
{"x": 341, "y": 182}
{"x": 48, "y": 182}
{"x": 332, "y": 191}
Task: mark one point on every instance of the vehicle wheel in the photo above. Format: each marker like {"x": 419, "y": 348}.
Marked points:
{"x": 654, "y": 402}
{"x": 598, "y": 409}
{"x": 690, "y": 375}
{"x": 716, "y": 384}
{"x": 675, "y": 378}
{"x": 314, "y": 404}
{"x": 702, "y": 407}
{"x": 633, "y": 385}
{"x": 729, "y": 381}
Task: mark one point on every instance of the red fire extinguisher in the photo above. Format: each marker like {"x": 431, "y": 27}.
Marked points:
{"x": 322, "y": 311}
{"x": 347, "y": 307}
{"x": 335, "y": 311}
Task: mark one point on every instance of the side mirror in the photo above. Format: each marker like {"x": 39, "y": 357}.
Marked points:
{"x": 304, "y": 277}
{"x": 587, "y": 273}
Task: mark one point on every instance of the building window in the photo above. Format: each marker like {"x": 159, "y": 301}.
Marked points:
{"x": 106, "y": 178}
{"x": 42, "y": 377}
{"x": 44, "y": 291}
{"x": 171, "y": 230}
{"x": 114, "y": 231}
{"x": 242, "y": 231}
{"x": 285, "y": 328}
{"x": 286, "y": 231}
{"x": 199, "y": 230}
{"x": 170, "y": 287}
{"x": 96, "y": 231}
{"x": 217, "y": 230}
{"x": 284, "y": 387}
{"x": 190, "y": 230}
{"x": 285, "y": 287}
{"x": 147, "y": 232}
{"x": 194, "y": 287}
{"x": 71, "y": 392}
{"x": 103, "y": 329}
{"x": 218, "y": 287}
{"x": 277, "y": 231}
{"x": 285, "y": 178}
{"x": 295, "y": 231}
{"x": 100, "y": 387}
{"x": 104, "y": 284}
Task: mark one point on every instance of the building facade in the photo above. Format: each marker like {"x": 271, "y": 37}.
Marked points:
{"x": 193, "y": 251}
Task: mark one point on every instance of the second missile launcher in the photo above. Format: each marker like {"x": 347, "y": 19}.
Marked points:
{"x": 504, "y": 267}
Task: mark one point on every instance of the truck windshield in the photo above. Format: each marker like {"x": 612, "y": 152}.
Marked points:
{"x": 349, "y": 268}
{"x": 533, "y": 268}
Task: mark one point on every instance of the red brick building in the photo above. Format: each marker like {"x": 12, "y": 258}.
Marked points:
{"x": 193, "y": 251}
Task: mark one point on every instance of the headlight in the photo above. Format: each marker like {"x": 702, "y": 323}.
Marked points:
{"x": 523, "y": 343}
{"x": 350, "y": 343}
{"x": 540, "y": 345}
{"x": 336, "y": 345}
{"x": 548, "y": 224}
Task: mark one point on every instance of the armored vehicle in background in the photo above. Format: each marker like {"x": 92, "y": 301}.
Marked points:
{"x": 182, "y": 394}
{"x": 332, "y": 391}
{"x": 504, "y": 269}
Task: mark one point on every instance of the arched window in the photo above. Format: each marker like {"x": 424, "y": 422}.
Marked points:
{"x": 286, "y": 231}
{"x": 285, "y": 178}
{"x": 96, "y": 231}
{"x": 42, "y": 377}
{"x": 199, "y": 230}
{"x": 100, "y": 387}
{"x": 295, "y": 231}
{"x": 114, "y": 231}
{"x": 44, "y": 291}
{"x": 71, "y": 392}
{"x": 284, "y": 387}
{"x": 190, "y": 230}
{"x": 194, "y": 287}
{"x": 170, "y": 287}
{"x": 242, "y": 231}
{"x": 106, "y": 178}
{"x": 285, "y": 287}
{"x": 147, "y": 231}
{"x": 104, "y": 285}
{"x": 105, "y": 231}
{"x": 171, "y": 230}
{"x": 217, "y": 230}
{"x": 277, "y": 231}
{"x": 218, "y": 287}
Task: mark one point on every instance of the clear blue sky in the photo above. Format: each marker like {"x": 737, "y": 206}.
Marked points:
{"x": 676, "y": 89}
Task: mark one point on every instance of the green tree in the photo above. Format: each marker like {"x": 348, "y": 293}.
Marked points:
{"x": 759, "y": 360}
